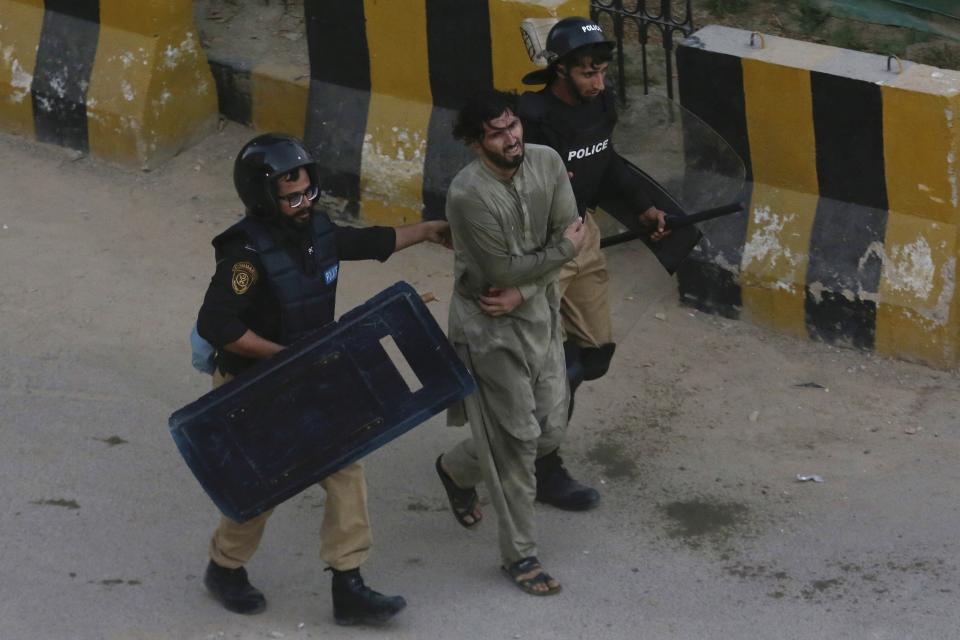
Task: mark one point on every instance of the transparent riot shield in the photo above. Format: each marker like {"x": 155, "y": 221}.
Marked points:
{"x": 688, "y": 169}
{"x": 681, "y": 152}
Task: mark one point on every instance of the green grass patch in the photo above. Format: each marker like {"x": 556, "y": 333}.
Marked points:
{"x": 722, "y": 8}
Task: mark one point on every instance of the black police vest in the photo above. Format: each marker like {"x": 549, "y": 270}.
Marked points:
{"x": 307, "y": 301}
{"x": 582, "y": 135}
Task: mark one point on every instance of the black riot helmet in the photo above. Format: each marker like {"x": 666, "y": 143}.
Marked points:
{"x": 567, "y": 36}
{"x": 260, "y": 162}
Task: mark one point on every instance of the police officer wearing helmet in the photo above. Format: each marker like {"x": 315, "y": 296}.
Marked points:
{"x": 275, "y": 280}
{"x": 575, "y": 114}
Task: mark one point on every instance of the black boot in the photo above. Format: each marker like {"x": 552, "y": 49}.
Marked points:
{"x": 232, "y": 588}
{"x": 555, "y": 486}
{"x": 356, "y": 603}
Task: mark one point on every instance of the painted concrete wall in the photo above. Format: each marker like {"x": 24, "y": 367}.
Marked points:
{"x": 386, "y": 79}
{"x": 851, "y": 235}
{"x": 125, "y": 81}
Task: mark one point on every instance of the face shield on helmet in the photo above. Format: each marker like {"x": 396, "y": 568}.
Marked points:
{"x": 565, "y": 36}
{"x": 260, "y": 162}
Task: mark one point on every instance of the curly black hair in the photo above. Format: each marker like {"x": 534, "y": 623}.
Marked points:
{"x": 482, "y": 106}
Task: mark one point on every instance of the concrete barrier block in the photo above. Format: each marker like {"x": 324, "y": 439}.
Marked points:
{"x": 853, "y": 188}
{"x": 124, "y": 81}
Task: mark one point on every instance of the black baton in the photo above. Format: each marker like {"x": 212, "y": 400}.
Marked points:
{"x": 674, "y": 222}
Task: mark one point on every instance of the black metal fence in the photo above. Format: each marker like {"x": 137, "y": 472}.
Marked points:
{"x": 662, "y": 15}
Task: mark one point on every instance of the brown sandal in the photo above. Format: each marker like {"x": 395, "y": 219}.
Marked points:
{"x": 527, "y": 573}
{"x": 462, "y": 501}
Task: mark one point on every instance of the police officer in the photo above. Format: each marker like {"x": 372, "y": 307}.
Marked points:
{"x": 275, "y": 280}
{"x": 575, "y": 115}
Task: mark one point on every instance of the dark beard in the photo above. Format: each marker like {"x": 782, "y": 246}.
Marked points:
{"x": 295, "y": 238}
{"x": 293, "y": 223}
{"x": 582, "y": 99}
{"x": 292, "y": 230}
{"x": 503, "y": 163}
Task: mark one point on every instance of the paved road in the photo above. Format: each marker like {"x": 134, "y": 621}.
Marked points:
{"x": 695, "y": 441}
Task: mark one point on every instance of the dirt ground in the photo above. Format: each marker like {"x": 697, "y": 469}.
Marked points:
{"x": 255, "y": 30}
{"x": 696, "y": 439}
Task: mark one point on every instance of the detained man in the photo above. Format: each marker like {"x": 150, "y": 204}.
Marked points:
{"x": 513, "y": 217}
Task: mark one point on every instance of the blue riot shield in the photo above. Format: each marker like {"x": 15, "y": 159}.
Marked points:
{"x": 321, "y": 404}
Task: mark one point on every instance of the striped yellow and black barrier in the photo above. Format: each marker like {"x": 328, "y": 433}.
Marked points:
{"x": 853, "y": 191}
{"x": 125, "y": 81}
{"x": 386, "y": 80}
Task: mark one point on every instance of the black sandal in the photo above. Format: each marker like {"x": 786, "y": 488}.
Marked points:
{"x": 462, "y": 501}
{"x": 526, "y": 566}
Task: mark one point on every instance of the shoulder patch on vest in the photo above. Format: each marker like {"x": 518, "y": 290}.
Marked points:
{"x": 244, "y": 276}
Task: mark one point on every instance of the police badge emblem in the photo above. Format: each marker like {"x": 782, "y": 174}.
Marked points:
{"x": 244, "y": 276}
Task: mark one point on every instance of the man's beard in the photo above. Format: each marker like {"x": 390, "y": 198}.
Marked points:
{"x": 584, "y": 99}
{"x": 295, "y": 221}
{"x": 293, "y": 228}
{"x": 587, "y": 99}
{"x": 503, "y": 162}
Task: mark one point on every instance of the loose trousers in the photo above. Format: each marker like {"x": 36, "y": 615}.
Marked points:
{"x": 504, "y": 462}
{"x": 345, "y": 537}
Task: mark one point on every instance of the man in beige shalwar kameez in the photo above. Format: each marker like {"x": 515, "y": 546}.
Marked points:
{"x": 514, "y": 221}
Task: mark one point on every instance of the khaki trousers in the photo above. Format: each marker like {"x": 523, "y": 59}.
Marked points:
{"x": 345, "y": 537}
{"x": 584, "y": 282}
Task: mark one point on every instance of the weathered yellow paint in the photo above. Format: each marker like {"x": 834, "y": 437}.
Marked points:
{"x": 151, "y": 92}
{"x": 391, "y": 167}
{"x": 775, "y": 257}
{"x": 917, "y": 314}
{"x": 147, "y": 17}
{"x": 921, "y": 145}
{"x": 510, "y": 60}
{"x": 784, "y": 202}
{"x": 373, "y": 211}
{"x": 279, "y": 99}
{"x": 394, "y": 149}
{"x": 777, "y": 309}
{"x": 779, "y": 107}
{"x": 20, "y": 25}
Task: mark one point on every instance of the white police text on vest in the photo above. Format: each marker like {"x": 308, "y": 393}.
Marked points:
{"x": 587, "y": 151}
